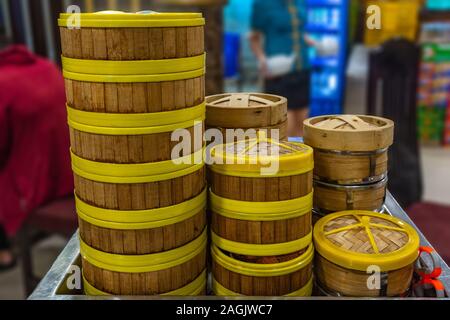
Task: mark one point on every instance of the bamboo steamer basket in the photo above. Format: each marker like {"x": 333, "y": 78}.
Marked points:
{"x": 247, "y": 111}
{"x": 330, "y": 198}
{"x": 142, "y": 231}
{"x": 139, "y": 186}
{"x": 350, "y": 242}
{"x": 131, "y": 79}
{"x": 283, "y": 226}
{"x": 173, "y": 272}
{"x": 349, "y": 149}
{"x": 233, "y": 277}
{"x": 261, "y": 170}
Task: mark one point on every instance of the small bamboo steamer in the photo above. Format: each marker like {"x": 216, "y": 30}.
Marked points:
{"x": 349, "y": 149}
{"x": 127, "y": 68}
{"x": 261, "y": 170}
{"x": 167, "y": 272}
{"x": 233, "y": 277}
{"x": 332, "y": 198}
{"x": 350, "y": 242}
{"x": 247, "y": 111}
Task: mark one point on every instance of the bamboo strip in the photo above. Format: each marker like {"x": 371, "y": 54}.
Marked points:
{"x": 146, "y": 195}
{"x": 132, "y": 43}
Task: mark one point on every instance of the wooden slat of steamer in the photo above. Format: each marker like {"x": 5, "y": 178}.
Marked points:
{"x": 124, "y": 193}
{"x": 126, "y": 149}
{"x": 132, "y": 43}
{"x": 261, "y": 232}
{"x": 336, "y": 200}
{"x": 261, "y": 286}
{"x": 135, "y": 97}
{"x": 335, "y": 167}
{"x": 261, "y": 189}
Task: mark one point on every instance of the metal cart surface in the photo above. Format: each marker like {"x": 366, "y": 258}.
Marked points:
{"x": 54, "y": 285}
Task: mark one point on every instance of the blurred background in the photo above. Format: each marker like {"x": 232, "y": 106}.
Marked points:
{"x": 401, "y": 71}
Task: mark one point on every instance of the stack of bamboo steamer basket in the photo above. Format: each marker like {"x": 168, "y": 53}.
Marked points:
{"x": 351, "y": 161}
{"x": 247, "y": 111}
{"x": 131, "y": 80}
{"x": 261, "y": 221}
{"x": 364, "y": 254}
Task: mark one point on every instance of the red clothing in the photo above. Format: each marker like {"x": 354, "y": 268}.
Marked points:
{"x": 34, "y": 137}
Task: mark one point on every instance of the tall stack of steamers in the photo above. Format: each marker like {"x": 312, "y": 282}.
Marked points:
{"x": 132, "y": 80}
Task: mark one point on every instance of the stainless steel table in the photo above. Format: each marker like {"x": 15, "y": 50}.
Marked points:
{"x": 54, "y": 285}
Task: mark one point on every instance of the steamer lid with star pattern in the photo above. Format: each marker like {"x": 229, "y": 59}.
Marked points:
{"x": 359, "y": 239}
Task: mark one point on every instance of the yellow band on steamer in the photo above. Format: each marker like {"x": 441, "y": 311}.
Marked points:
{"x": 262, "y": 270}
{"x": 143, "y": 263}
{"x": 191, "y": 289}
{"x": 140, "y": 219}
{"x": 261, "y": 165}
{"x": 133, "y": 67}
{"x": 139, "y": 172}
{"x": 135, "y": 123}
{"x": 134, "y": 78}
{"x": 261, "y": 211}
{"x": 122, "y": 22}
{"x": 220, "y": 290}
{"x": 252, "y": 249}
{"x": 122, "y": 15}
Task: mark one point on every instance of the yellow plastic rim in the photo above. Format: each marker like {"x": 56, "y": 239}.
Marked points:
{"x": 122, "y": 15}
{"x": 220, "y": 290}
{"x": 135, "y": 67}
{"x": 135, "y": 123}
{"x": 135, "y": 173}
{"x": 140, "y": 219}
{"x": 134, "y": 78}
{"x": 133, "y": 131}
{"x": 119, "y": 19}
{"x": 262, "y": 250}
{"x": 144, "y": 263}
{"x": 191, "y": 289}
{"x": 291, "y": 164}
{"x": 262, "y": 270}
{"x": 261, "y": 211}
{"x": 361, "y": 261}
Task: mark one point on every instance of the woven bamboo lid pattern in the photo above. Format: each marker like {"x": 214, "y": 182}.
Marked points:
{"x": 250, "y": 158}
{"x": 251, "y": 110}
{"x": 349, "y": 132}
{"x": 359, "y": 239}
{"x": 120, "y": 19}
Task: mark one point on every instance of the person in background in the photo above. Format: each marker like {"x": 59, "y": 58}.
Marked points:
{"x": 34, "y": 141}
{"x": 280, "y": 45}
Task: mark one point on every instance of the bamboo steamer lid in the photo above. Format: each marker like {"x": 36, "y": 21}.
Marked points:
{"x": 358, "y": 239}
{"x": 255, "y": 158}
{"x": 349, "y": 132}
{"x": 245, "y": 110}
